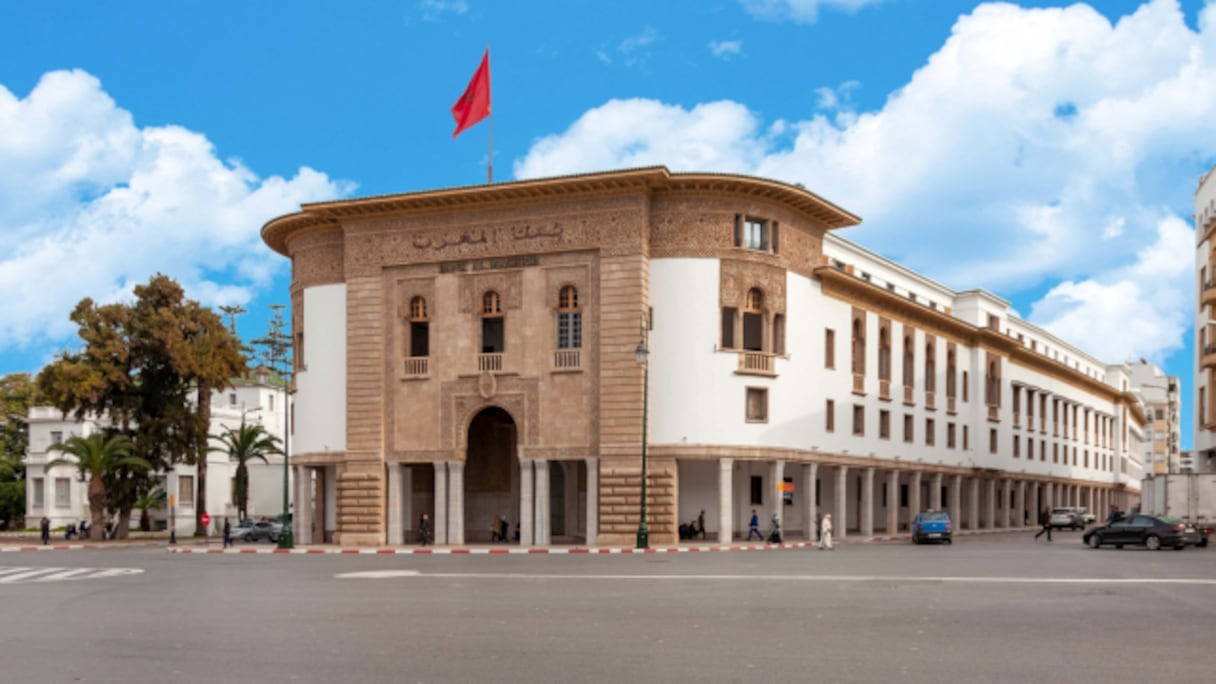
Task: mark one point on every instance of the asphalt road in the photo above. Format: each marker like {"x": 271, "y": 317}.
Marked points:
{"x": 987, "y": 609}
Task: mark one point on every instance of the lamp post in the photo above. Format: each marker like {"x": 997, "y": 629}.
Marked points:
{"x": 641, "y": 354}
{"x": 173, "y": 506}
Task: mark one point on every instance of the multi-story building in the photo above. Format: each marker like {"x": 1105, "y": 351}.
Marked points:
{"x": 1162, "y": 408}
{"x": 60, "y": 495}
{"x": 1204, "y": 444}
{"x": 562, "y": 351}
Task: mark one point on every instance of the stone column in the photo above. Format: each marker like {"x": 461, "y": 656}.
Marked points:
{"x": 593, "y": 500}
{"x": 956, "y": 501}
{"x": 892, "y": 503}
{"x": 777, "y": 473}
{"x": 1049, "y": 495}
{"x": 810, "y": 473}
{"x": 407, "y": 504}
{"x": 867, "y": 503}
{"x": 990, "y": 505}
{"x": 840, "y": 525}
{"x": 541, "y": 523}
{"x": 914, "y": 496}
{"x": 973, "y": 503}
{"x": 526, "y": 502}
{"x": 1006, "y": 502}
{"x": 726, "y": 469}
{"x": 441, "y": 502}
{"x": 1019, "y": 504}
{"x": 302, "y": 520}
{"x": 320, "y": 514}
{"x": 456, "y": 502}
{"x": 393, "y": 517}
{"x": 1033, "y": 504}
{"x": 935, "y": 496}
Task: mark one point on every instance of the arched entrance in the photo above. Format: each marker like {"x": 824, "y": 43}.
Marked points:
{"x": 491, "y": 474}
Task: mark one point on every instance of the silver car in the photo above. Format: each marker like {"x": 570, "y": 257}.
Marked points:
{"x": 1068, "y": 517}
{"x": 251, "y": 531}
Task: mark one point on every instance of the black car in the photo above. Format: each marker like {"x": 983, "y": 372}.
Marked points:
{"x": 1150, "y": 531}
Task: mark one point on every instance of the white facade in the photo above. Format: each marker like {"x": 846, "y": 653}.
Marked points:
{"x": 61, "y": 496}
{"x": 1205, "y": 332}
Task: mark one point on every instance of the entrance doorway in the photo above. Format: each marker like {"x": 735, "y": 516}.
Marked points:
{"x": 491, "y": 475}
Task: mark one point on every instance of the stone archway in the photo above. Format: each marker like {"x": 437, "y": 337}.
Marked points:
{"x": 491, "y": 474}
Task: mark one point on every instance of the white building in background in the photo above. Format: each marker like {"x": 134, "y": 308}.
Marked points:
{"x": 1162, "y": 408}
{"x": 1204, "y": 445}
{"x": 61, "y": 496}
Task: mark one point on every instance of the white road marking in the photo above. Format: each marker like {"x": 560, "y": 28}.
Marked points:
{"x": 378, "y": 574}
{"x": 388, "y": 574}
{"x": 20, "y": 575}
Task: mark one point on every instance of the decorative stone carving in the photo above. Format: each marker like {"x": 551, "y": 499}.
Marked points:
{"x": 486, "y": 385}
{"x": 737, "y": 277}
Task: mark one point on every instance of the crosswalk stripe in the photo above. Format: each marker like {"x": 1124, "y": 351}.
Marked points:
{"x": 20, "y": 575}
{"x": 72, "y": 573}
{"x": 29, "y": 572}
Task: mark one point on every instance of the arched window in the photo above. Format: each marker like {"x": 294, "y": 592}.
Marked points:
{"x": 753, "y": 320}
{"x": 884, "y": 354}
{"x": 859, "y": 347}
{"x": 492, "y": 333}
{"x": 569, "y": 319}
{"x": 930, "y": 367}
{"x": 420, "y": 333}
{"x": 909, "y": 361}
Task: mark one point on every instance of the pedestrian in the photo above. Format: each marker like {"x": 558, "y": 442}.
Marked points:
{"x": 825, "y": 532}
{"x": 495, "y": 529}
{"x": 753, "y": 527}
{"x": 45, "y": 524}
{"x": 701, "y": 523}
{"x": 1045, "y": 522}
{"x": 227, "y": 533}
{"x": 503, "y": 526}
{"x": 424, "y": 530}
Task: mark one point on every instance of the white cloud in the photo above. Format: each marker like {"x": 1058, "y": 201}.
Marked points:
{"x": 433, "y": 10}
{"x": 725, "y": 48}
{"x": 1040, "y": 145}
{"x": 800, "y": 11}
{"x": 91, "y": 205}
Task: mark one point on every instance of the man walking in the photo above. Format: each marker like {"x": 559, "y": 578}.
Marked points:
{"x": 1045, "y": 521}
{"x": 227, "y": 533}
{"x": 424, "y": 529}
{"x": 753, "y": 527}
{"x": 825, "y": 532}
{"x": 701, "y": 523}
{"x": 45, "y": 524}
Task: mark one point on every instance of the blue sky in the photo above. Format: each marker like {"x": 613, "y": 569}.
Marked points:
{"x": 1045, "y": 151}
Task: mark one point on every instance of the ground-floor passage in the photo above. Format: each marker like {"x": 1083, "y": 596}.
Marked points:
{"x": 536, "y": 502}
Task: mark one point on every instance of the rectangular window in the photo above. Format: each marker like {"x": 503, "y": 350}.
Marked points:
{"x": 757, "y": 405}
{"x": 39, "y": 492}
{"x": 492, "y": 335}
{"x": 903, "y": 495}
{"x": 1029, "y": 449}
{"x": 420, "y": 339}
{"x": 185, "y": 490}
{"x": 63, "y": 492}
{"x": 755, "y": 234}
{"x": 1017, "y": 447}
{"x": 930, "y": 429}
{"x": 1055, "y": 453}
{"x": 950, "y": 436}
{"x": 1074, "y": 455}
{"x": 966, "y": 437}
{"x": 779, "y": 335}
{"x": 757, "y": 485}
{"x": 859, "y": 419}
{"x": 270, "y": 405}
{"x": 992, "y": 441}
{"x": 829, "y": 348}
{"x": 908, "y": 429}
{"x": 56, "y": 437}
{"x": 1086, "y": 462}
{"x": 829, "y": 416}
{"x": 966, "y": 386}
{"x": 728, "y": 327}
{"x": 884, "y": 425}
{"x": 569, "y": 330}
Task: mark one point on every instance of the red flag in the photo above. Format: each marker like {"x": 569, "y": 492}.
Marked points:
{"x": 474, "y": 104}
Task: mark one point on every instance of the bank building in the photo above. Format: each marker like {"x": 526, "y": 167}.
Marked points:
{"x": 527, "y": 349}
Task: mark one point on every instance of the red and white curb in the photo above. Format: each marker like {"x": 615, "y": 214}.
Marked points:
{"x": 78, "y": 547}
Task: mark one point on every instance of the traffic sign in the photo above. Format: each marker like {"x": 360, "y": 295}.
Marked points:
{"x": 206, "y": 519}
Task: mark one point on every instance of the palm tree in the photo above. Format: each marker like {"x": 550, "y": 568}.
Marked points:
{"x": 95, "y": 457}
{"x": 242, "y": 445}
{"x": 151, "y": 498}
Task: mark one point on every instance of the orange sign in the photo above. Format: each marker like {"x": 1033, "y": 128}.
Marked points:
{"x": 785, "y": 486}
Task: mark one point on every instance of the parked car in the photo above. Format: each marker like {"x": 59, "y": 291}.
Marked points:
{"x": 1150, "y": 531}
{"x": 1069, "y": 517}
{"x": 1087, "y": 517}
{"x": 932, "y": 526}
{"x": 250, "y": 531}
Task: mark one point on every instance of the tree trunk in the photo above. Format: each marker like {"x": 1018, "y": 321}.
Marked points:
{"x": 123, "y": 527}
{"x": 204, "y": 416}
{"x": 145, "y": 521}
{"x": 97, "y": 507}
{"x": 242, "y": 490}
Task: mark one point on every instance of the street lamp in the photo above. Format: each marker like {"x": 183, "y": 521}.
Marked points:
{"x": 641, "y": 354}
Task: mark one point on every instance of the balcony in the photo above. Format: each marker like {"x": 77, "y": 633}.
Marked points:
{"x": 931, "y": 401}
{"x": 756, "y": 363}
{"x": 994, "y": 413}
{"x": 417, "y": 367}
{"x": 1017, "y": 419}
{"x": 489, "y": 363}
{"x": 1208, "y": 359}
{"x": 566, "y": 360}
{"x": 884, "y": 390}
{"x": 1209, "y": 293}
{"x": 908, "y": 395}
{"x": 859, "y": 383}
{"x": 951, "y": 405}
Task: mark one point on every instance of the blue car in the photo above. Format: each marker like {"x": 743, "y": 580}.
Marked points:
{"x": 932, "y": 526}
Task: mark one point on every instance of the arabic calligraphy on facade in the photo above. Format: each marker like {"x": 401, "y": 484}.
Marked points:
{"x": 489, "y": 264}
{"x": 492, "y": 236}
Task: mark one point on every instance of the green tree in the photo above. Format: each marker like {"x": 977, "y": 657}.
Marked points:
{"x": 242, "y": 445}
{"x": 150, "y": 498}
{"x": 94, "y": 457}
{"x": 17, "y": 394}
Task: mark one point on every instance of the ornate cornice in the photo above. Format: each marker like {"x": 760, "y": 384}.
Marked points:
{"x": 657, "y": 179}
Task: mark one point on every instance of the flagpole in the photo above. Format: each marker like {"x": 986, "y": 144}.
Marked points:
{"x": 490, "y": 159}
